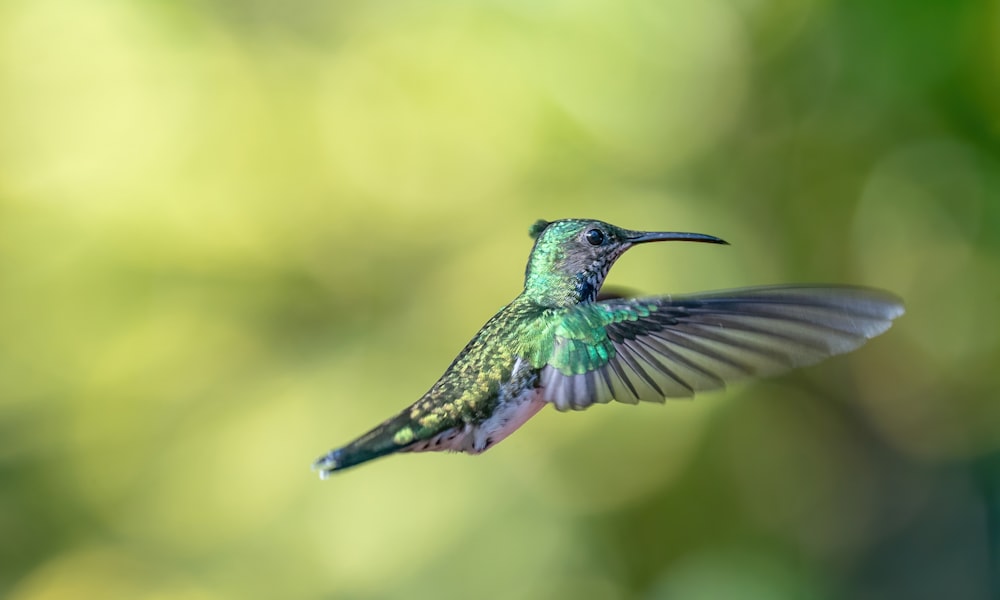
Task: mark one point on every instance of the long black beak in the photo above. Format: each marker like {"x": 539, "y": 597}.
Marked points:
{"x": 639, "y": 237}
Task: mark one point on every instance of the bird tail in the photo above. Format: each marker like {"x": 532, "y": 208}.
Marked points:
{"x": 391, "y": 436}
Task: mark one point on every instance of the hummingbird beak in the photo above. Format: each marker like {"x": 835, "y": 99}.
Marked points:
{"x": 640, "y": 237}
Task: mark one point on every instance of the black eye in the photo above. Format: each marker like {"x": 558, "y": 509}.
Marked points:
{"x": 595, "y": 237}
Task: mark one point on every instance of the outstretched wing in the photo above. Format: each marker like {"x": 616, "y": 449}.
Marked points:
{"x": 656, "y": 348}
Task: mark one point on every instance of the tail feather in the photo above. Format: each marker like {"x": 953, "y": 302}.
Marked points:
{"x": 394, "y": 435}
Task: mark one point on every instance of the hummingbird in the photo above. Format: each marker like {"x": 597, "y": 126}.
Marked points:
{"x": 560, "y": 343}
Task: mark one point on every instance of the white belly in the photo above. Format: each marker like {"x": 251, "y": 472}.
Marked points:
{"x": 505, "y": 420}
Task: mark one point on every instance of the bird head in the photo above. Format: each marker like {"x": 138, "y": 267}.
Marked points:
{"x": 571, "y": 257}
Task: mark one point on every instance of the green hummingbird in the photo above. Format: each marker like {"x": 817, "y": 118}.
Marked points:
{"x": 559, "y": 343}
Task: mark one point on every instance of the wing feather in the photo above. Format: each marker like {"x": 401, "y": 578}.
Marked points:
{"x": 655, "y": 348}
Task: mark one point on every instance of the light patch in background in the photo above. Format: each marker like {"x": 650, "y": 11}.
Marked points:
{"x": 93, "y": 104}
{"x": 220, "y": 471}
{"x": 222, "y": 477}
{"x": 610, "y": 455}
{"x": 654, "y": 84}
{"x": 916, "y": 233}
{"x": 426, "y": 116}
{"x": 395, "y": 517}
{"x": 109, "y": 573}
{"x": 517, "y": 552}
{"x": 744, "y": 573}
{"x": 462, "y": 291}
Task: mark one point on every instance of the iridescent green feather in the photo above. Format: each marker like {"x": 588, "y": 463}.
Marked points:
{"x": 576, "y": 339}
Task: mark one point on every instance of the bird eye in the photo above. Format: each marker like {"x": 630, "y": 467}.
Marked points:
{"x": 595, "y": 237}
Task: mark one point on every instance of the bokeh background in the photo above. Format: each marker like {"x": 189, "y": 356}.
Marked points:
{"x": 235, "y": 233}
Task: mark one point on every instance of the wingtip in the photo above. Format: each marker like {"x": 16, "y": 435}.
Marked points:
{"x": 891, "y": 304}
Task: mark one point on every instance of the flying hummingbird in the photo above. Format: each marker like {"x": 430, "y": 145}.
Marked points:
{"x": 558, "y": 343}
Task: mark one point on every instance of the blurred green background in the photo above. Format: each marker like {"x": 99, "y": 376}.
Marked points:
{"x": 236, "y": 233}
